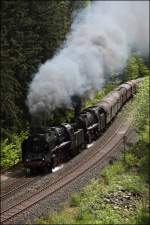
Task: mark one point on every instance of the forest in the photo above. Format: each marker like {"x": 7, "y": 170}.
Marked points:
{"x": 23, "y": 49}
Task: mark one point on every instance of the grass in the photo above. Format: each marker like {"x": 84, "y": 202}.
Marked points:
{"x": 89, "y": 206}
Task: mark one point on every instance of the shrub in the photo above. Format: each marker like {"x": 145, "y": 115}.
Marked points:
{"x": 109, "y": 216}
{"x": 84, "y": 216}
{"x": 131, "y": 160}
{"x": 11, "y": 152}
{"x": 143, "y": 216}
{"x": 75, "y": 200}
{"x": 129, "y": 182}
{"x": 113, "y": 170}
{"x": 62, "y": 218}
{"x": 144, "y": 167}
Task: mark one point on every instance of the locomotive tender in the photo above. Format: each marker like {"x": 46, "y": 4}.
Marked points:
{"x": 57, "y": 144}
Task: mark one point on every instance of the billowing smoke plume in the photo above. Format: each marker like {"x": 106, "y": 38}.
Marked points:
{"x": 101, "y": 39}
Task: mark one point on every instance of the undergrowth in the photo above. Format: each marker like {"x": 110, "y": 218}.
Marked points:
{"x": 11, "y": 152}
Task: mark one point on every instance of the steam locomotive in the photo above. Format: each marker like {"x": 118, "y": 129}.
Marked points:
{"x": 55, "y": 145}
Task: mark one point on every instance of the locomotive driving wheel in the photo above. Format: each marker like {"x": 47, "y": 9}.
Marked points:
{"x": 30, "y": 171}
{"x": 48, "y": 168}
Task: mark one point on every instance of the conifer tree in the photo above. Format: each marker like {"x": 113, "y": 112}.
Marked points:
{"x": 31, "y": 32}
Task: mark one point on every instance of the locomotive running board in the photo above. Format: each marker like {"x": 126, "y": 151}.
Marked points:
{"x": 93, "y": 126}
{"x": 63, "y": 144}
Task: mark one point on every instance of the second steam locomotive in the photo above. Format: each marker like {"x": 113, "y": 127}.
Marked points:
{"x": 57, "y": 144}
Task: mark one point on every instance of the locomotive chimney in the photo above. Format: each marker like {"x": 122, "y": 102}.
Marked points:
{"x": 76, "y": 103}
{"x": 37, "y": 123}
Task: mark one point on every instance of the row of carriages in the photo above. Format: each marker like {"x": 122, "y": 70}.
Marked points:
{"x": 58, "y": 144}
{"x": 113, "y": 102}
{"x": 98, "y": 117}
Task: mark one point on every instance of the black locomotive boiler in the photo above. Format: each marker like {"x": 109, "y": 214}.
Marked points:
{"x": 55, "y": 145}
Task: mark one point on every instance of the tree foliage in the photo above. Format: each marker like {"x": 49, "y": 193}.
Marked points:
{"x": 135, "y": 68}
{"x": 11, "y": 152}
{"x": 138, "y": 109}
{"x": 31, "y": 31}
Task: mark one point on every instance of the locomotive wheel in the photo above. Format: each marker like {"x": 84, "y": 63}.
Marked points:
{"x": 83, "y": 146}
{"x": 34, "y": 171}
{"x": 89, "y": 139}
{"x": 48, "y": 169}
{"x": 28, "y": 172}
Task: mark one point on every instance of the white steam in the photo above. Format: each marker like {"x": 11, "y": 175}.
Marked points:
{"x": 98, "y": 45}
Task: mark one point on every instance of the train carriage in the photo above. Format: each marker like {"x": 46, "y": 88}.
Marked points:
{"x": 111, "y": 105}
{"x": 115, "y": 99}
{"x": 132, "y": 83}
{"x": 122, "y": 92}
{"x": 128, "y": 89}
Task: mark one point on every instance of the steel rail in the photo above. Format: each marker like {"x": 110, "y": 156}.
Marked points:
{"x": 17, "y": 188}
{"x": 3, "y": 171}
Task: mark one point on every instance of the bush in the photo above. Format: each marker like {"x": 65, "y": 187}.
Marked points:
{"x": 129, "y": 182}
{"x": 143, "y": 216}
{"x": 84, "y": 217}
{"x": 109, "y": 216}
{"x": 113, "y": 170}
{"x": 138, "y": 109}
{"x": 11, "y": 152}
{"x": 63, "y": 217}
{"x": 144, "y": 167}
{"x": 75, "y": 200}
{"x": 131, "y": 160}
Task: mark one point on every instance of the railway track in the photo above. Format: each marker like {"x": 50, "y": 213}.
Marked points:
{"x": 3, "y": 171}
{"x": 96, "y": 156}
{"x": 16, "y": 186}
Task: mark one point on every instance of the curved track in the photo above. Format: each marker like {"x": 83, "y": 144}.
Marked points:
{"x": 3, "y": 171}
{"x": 16, "y": 186}
{"x": 91, "y": 160}
{"x": 22, "y": 182}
